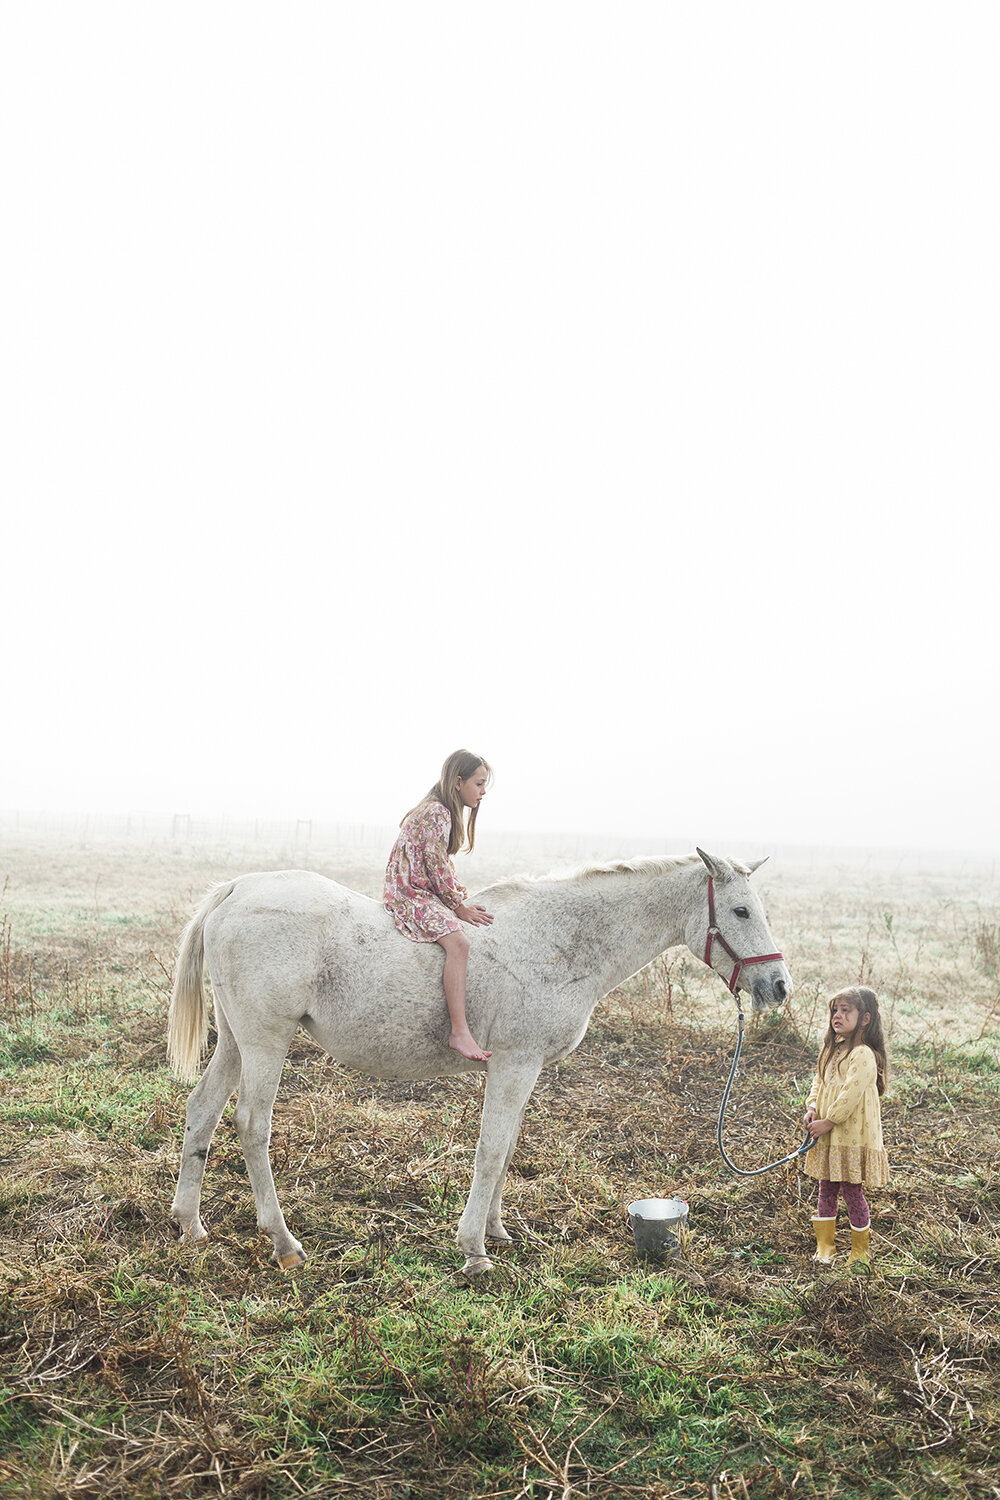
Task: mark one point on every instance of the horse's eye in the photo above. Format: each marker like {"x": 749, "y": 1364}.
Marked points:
{"x": 740, "y": 911}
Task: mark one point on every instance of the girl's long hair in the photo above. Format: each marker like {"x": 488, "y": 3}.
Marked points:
{"x": 865, "y": 1002}
{"x": 460, "y": 763}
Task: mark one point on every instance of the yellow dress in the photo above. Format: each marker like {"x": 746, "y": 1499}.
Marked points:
{"x": 852, "y": 1151}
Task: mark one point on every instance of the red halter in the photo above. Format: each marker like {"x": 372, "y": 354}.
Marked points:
{"x": 738, "y": 963}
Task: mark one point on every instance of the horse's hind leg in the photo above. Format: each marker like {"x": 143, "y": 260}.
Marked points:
{"x": 204, "y": 1110}
{"x": 258, "y": 1086}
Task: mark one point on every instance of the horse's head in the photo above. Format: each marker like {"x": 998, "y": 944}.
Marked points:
{"x": 731, "y": 935}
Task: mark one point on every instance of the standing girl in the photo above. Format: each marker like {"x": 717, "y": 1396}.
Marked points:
{"x": 844, "y": 1117}
{"x": 421, "y": 892}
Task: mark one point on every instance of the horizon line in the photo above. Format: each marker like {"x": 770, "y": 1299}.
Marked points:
{"x": 182, "y": 824}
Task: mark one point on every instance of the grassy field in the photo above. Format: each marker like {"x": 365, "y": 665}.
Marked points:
{"x": 130, "y": 1365}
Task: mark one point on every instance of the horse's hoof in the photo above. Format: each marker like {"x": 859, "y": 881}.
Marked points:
{"x": 477, "y": 1265}
{"x": 292, "y": 1261}
{"x": 499, "y": 1236}
{"x": 185, "y": 1237}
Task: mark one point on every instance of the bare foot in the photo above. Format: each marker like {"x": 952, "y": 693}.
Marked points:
{"x": 465, "y": 1042}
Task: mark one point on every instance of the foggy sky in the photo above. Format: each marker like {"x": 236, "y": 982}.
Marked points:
{"x": 610, "y": 390}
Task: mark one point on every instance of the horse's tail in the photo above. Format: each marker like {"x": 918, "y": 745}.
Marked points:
{"x": 187, "y": 1026}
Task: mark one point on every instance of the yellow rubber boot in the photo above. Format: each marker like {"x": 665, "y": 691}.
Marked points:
{"x": 859, "y": 1247}
{"x": 826, "y": 1246}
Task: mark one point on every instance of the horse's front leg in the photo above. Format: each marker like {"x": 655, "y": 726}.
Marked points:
{"x": 495, "y": 1229}
{"x": 508, "y": 1086}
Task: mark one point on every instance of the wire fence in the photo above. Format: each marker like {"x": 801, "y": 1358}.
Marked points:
{"x": 183, "y": 828}
{"x": 188, "y": 828}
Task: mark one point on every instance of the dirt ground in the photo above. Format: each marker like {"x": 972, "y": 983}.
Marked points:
{"x": 134, "y": 1367}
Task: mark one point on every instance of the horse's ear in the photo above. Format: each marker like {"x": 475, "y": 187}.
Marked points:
{"x": 757, "y": 863}
{"x": 717, "y": 868}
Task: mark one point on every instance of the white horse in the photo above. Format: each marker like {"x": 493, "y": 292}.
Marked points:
{"x": 290, "y": 949}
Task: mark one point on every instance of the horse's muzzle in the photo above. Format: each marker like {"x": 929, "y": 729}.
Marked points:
{"x": 771, "y": 988}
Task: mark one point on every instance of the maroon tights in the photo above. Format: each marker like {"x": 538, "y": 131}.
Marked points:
{"x": 857, "y": 1207}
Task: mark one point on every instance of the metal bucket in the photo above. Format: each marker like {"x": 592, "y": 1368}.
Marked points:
{"x": 656, "y": 1225}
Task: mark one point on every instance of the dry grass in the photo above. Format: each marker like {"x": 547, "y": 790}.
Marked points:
{"x": 130, "y": 1365}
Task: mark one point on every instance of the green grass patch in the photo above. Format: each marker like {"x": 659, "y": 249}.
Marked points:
{"x": 131, "y": 1365}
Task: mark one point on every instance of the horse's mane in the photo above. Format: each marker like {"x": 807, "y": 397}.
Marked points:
{"x": 652, "y": 864}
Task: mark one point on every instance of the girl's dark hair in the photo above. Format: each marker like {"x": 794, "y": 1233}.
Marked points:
{"x": 460, "y": 765}
{"x": 868, "y": 1032}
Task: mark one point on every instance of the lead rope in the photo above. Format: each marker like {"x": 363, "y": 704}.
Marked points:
{"x": 807, "y": 1144}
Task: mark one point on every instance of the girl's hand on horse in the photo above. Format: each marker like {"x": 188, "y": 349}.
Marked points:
{"x": 820, "y": 1127}
{"x": 476, "y": 916}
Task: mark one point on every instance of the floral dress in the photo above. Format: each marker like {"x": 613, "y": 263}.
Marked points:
{"x": 852, "y": 1151}
{"x": 421, "y": 891}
